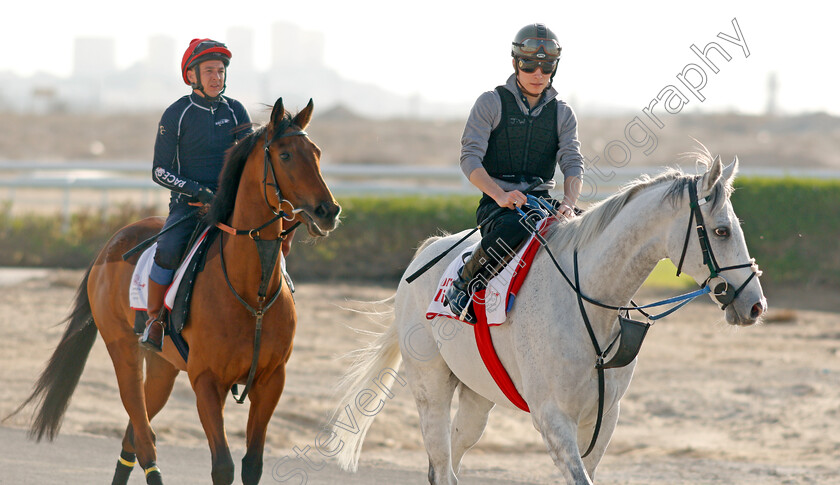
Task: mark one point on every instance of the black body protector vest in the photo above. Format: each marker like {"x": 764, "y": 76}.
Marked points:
{"x": 522, "y": 146}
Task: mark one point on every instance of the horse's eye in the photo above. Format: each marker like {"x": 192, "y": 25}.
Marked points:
{"x": 722, "y": 232}
{"x": 285, "y": 156}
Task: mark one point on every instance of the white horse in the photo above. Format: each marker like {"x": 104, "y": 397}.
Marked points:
{"x": 544, "y": 344}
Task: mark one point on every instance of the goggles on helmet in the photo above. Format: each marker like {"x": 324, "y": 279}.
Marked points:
{"x": 207, "y": 44}
{"x": 208, "y": 48}
{"x": 539, "y": 48}
{"x": 531, "y": 65}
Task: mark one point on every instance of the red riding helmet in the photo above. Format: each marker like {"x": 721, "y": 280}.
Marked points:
{"x": 201, "y": 50}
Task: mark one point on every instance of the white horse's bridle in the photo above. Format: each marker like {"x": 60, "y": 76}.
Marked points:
{"x": 722, "y": 291}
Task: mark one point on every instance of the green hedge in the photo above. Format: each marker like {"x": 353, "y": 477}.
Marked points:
{"x": 49, "y": 241}
{"x": 792, "y": 228}
{"x": 378, "y": 236}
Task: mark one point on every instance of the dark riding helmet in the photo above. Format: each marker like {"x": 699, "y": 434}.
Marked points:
{"x": 536, "y": 41}
{"x": 201, "y": 50}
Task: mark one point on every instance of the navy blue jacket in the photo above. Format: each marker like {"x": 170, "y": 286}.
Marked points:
{"x": 192, "y": 138}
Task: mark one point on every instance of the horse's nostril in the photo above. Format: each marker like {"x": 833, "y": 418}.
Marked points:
{"x": 757, "y": 310}
{"x": 327, "y": 211}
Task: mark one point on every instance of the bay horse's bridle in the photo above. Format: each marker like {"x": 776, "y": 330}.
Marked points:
{"x": 268, "y": 250}
{"x": 278, "y": 212}
{"x": 267, "y": 163}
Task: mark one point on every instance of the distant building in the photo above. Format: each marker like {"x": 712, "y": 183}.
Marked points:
{"x": 245, "y": 82}
{"x": 240, "y": 41}
{"x": 94, "y": 57}
{"x": 297, "y": 71}
{"x": 294, "y": 47}
{"x": 772, "y": 106}
{"x": 161, "y": 61}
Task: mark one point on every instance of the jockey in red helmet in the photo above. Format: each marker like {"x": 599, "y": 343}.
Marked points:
{"x": 198, "y": 52}
{"x": 193, "y": 135}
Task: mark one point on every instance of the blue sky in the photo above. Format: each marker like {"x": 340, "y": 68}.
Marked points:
{"x": 615, "y": 54}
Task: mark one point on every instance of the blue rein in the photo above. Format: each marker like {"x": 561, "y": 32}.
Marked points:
{"x": 543, "y": 209}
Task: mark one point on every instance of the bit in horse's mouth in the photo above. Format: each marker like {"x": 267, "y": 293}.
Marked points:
{"x": 312, "y": 226}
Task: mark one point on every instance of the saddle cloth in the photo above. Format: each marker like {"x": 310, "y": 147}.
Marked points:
{"x": 501, "y": 290}
{"x": 138, "y": 292}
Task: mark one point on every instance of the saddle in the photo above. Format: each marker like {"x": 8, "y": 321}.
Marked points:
{"x": 500, "y": 292}
{"x": 179, "y": 295}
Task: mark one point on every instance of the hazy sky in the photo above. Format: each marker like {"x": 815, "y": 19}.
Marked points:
{"x": 614, "y": 53}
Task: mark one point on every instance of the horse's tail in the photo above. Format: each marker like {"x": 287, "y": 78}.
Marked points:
{"x": 374, "y": 370}
{"x": 54, "y": 388}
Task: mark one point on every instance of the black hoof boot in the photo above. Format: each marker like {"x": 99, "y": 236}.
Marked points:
{"x": 124, "y": 466}
{"x": 153, "y": 476}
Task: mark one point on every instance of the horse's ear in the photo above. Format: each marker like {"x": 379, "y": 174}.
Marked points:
{"x": 711, "y": 178}
{"x": 278, "y": 112}
{"x": 302, "y": 119}
{"x": 730, "y": 172}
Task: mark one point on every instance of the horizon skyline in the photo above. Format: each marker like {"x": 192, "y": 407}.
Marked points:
{"x": 643, "y": 52}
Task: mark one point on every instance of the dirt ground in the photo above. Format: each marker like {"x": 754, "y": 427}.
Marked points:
{"x": 709, "y": 404}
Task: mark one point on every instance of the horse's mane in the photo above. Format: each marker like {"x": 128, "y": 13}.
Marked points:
{"x": 582, "y": 230}
{"x": 235, "y": 159}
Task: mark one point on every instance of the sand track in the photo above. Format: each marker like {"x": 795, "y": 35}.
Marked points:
{"x": 709, "y": 404}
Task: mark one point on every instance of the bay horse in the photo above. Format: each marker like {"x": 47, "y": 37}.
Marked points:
{"x": 270, "y": 175}
{"x": 545, "y": 345}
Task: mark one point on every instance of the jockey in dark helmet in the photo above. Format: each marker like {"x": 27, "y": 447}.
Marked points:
{"x": 192, "y": 138}
{"x": 514, "y": 134}
{"x": 535, "y": 45}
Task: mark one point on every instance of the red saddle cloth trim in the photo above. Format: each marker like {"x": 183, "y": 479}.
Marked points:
{"x": 484, "y": 341}
{"x": 525, "y": 264}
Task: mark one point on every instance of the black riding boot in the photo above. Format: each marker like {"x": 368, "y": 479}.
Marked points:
{"x": 152, "y": 338}
{"x": 459, "y": 295}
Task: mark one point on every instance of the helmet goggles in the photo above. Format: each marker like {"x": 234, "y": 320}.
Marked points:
{"x": 530, "y": 65}
{"x": 209, "y": 49}
{"x": 537, "y": 48}
{"x": 207, "y": 44}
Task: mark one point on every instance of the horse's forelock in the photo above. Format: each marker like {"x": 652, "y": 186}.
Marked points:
{"x": 281, "y": 127}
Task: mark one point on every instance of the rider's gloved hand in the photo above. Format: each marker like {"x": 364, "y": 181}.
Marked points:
{"x": 205, "y": 196}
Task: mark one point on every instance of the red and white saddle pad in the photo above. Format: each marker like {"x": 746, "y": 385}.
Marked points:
{"x": 489, "y": 309}
{"x": 138, "y": 292}
{"x": 501, "y": 291}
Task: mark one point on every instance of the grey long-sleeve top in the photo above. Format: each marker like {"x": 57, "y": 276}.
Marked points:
{"x": 485, "y": 116}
